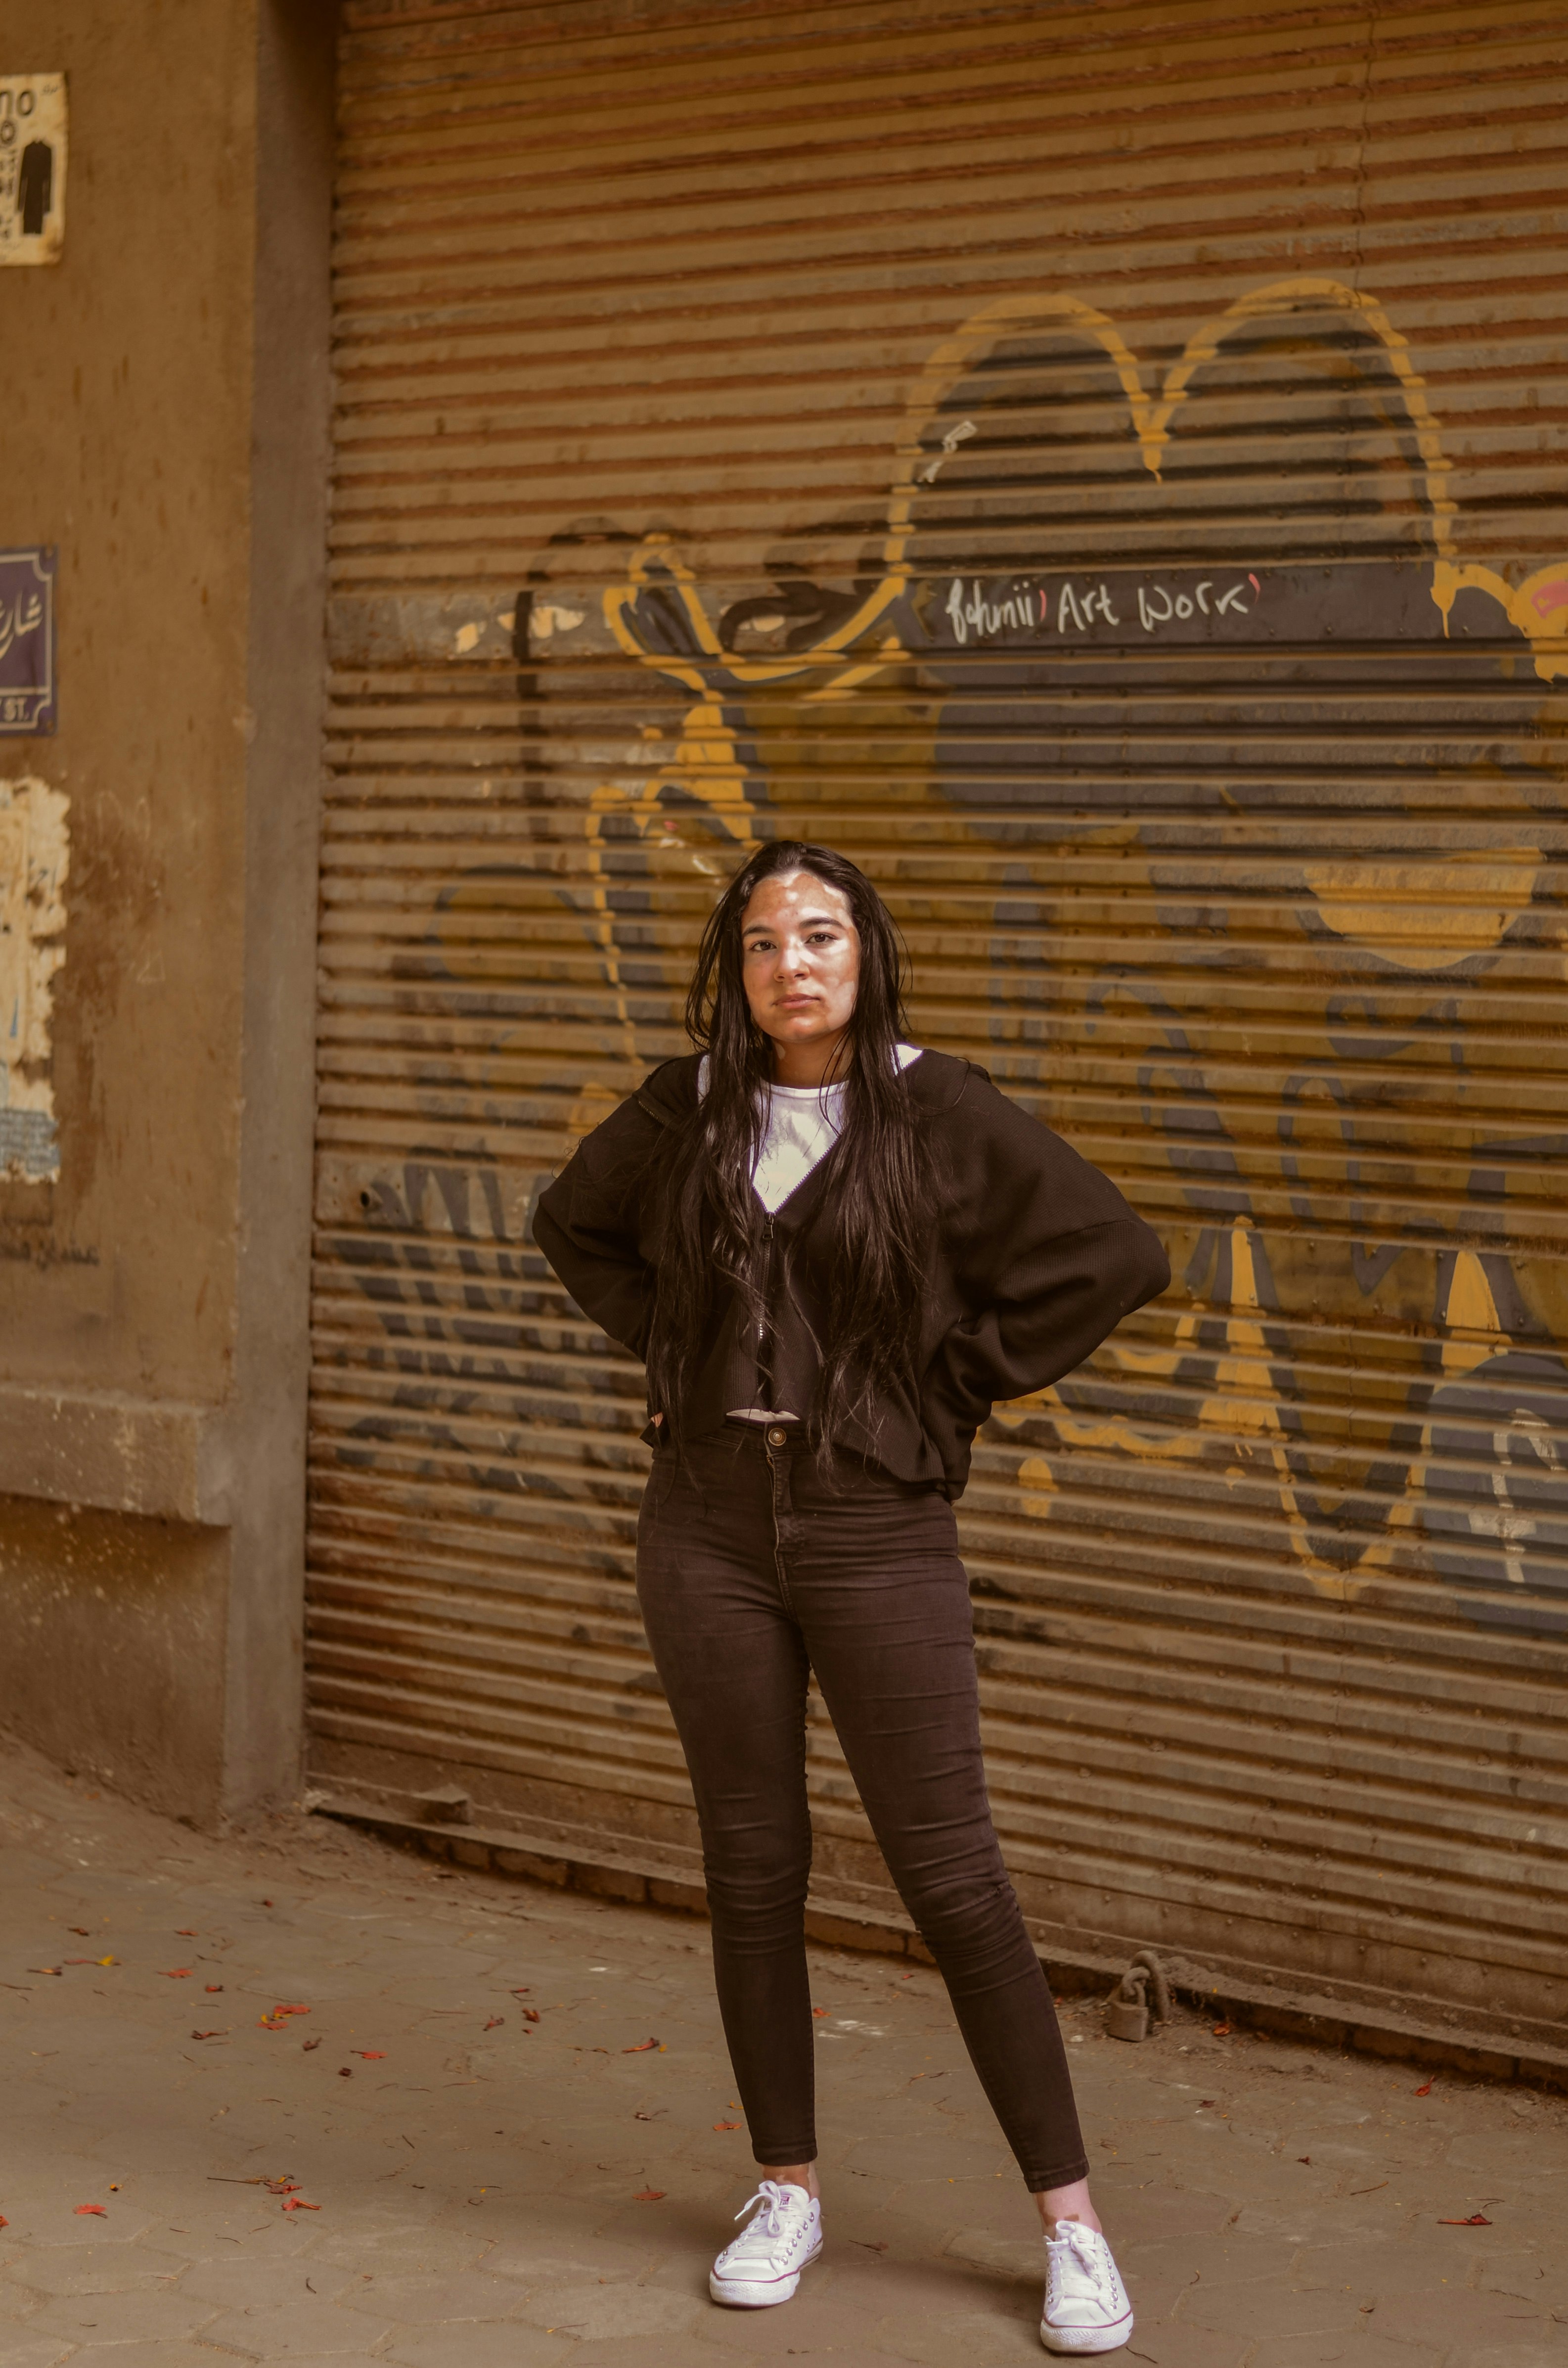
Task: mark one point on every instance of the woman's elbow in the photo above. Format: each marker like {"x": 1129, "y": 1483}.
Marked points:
{"x": 1151, "y": 1270}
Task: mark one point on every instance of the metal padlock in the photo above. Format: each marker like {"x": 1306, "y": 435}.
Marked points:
{"x": 1126, "y": 2009}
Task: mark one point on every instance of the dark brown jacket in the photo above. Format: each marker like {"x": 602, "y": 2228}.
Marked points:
{"x": 1036, "y": 1258}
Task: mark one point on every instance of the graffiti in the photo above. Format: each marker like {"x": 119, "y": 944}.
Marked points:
{"x": 464, "y": 1370}
{"x": 1262, "y": 772}
{"x": 1024, "y": 612}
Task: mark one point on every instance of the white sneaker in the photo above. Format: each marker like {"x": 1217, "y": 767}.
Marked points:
{"x": 764, "y": 2264}
{"x": 1086, "y": 2307}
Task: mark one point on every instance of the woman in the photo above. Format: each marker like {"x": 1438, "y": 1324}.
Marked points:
{"x": 834, "y": 1252}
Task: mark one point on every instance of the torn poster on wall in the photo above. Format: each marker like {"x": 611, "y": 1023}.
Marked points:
{"x": 26, "y": 641}
{"x": 34, "y": 857}
{"x": 32, "y": 167}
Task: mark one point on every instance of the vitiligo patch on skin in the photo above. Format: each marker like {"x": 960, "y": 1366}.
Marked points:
{"x": 35, "y": 851}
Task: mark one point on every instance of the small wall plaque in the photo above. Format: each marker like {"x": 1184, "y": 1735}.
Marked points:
{"x": 32, "y": 167}
{"x": 27, "y": 641}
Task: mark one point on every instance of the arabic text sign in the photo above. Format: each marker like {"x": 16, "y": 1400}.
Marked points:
{"x": 32, "y": 167}
{"x": 27, "y": 641}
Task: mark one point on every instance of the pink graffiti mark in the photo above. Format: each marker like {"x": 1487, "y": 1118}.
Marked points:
{"x": 1551, "y": 597}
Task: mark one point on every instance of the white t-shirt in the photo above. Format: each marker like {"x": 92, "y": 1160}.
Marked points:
{"x": 803, "y": 1125}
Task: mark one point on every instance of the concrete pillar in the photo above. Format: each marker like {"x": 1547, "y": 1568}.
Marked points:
{"x": 166, "y": 427}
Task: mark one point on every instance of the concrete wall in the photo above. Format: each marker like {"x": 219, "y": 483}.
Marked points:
{"x": 166, "y": 427}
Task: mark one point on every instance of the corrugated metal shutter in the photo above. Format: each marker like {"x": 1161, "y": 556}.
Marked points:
{"x": 1100, "y": 466}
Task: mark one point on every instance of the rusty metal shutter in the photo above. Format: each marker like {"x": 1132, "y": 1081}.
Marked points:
{"x": 1101, "y": 467}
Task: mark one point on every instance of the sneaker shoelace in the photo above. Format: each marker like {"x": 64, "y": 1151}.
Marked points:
{"x": 1079, "y": 2249}
{"x": 769, "y": 2221}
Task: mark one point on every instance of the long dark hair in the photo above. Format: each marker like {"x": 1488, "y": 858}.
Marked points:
{"x": 879, "y": 1214}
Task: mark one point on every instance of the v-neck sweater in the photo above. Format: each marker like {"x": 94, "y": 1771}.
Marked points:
{"x": 1033, "y": 1258}
{"x": 802, "y": 1125}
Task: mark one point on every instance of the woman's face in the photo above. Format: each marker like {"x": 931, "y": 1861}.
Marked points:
{"x": 801, "y": 961}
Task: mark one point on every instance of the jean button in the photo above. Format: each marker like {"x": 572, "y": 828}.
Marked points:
{"x": 778, "y": 1436}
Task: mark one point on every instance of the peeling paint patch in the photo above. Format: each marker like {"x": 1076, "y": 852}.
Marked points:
{"x": 34, "y": 859}
{"x": 546, "y": 619}
{"x": 421, "y": 628}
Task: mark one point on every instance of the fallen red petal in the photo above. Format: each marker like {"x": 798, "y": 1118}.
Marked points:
{"x": 494, "y": 2022}
{"x": 83, "y": 1931}
{"x": 530, "y": 2014}
{"x": 175, "y": 1972}
{"x": 213, "y": 1988}
{"x": 370, "y": 2055}
{"x": 1476, "y": 2220}
{"x": 726, "y": 2125}
{"x": 642, "y": 2047}
{"x": 819, "y": 2010}
{"x": 1425, "y": 2089}
{"x": 1222, "y": 2031}
{"x": 185, "y": 1933}
{"x": 44, "y": 1969}
{"x": 96, "y": 2210}
{"x": 298, "y": 2203}
{"x": 650, "y": 2195}
{"x": 209, "y": 2034}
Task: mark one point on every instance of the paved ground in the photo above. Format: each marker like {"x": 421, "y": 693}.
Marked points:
{"x": 474, "y": 2187}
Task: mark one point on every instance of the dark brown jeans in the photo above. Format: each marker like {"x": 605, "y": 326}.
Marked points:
{"x": 751, "y": 1571}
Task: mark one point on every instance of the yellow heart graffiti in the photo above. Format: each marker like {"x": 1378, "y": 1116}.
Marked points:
{"x": 1538, "y": 607}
